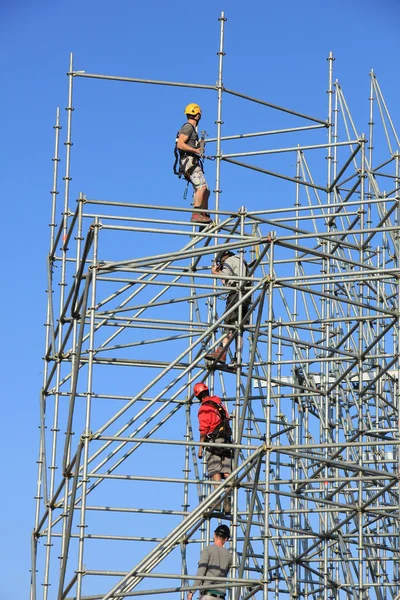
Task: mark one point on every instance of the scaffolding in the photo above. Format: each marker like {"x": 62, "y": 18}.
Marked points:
{"x": 123, "y": 505}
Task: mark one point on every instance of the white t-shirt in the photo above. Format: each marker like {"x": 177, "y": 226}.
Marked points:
{"x": 231, "y": 266}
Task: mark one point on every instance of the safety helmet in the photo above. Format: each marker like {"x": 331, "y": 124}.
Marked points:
{"x": 223, "y": 531}
{"x": 192, "y": 109}
{"x": 223, "y": 253}
{"x": 198, "y": 388}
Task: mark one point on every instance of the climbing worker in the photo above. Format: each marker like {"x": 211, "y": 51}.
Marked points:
{"x": 226, "y": 264}
{"x": 214, "y": 427}
{"x": 190, "y": 162}
{"x": 215, "y": 561}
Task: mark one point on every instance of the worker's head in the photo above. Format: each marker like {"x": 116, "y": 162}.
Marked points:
{"x": 201, "y": 391}
{"x": 223, "y": 532}
{"x": 222, "y": 255}
{"x": 193, "y": 111}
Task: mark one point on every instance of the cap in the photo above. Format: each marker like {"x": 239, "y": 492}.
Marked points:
{"x": 223, "y": 531}
{"x": 223, "y": 253}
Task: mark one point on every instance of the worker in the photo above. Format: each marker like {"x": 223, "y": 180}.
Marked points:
{"x": 215, "y": 561}
{"x": 214, "y": 427}
{"x": 190, "y": 163}
{"x": 226, "y": 264}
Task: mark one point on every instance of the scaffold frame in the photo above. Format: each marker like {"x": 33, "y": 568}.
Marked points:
{"x": 314, "y": 399}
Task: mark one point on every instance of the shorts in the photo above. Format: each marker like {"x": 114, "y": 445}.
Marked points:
{"x": 218, "y": 464}
{"x": 196, "y": 175}
{"x": 232, "y": 318}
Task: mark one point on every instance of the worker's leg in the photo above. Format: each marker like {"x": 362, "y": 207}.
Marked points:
{"x": 226, "y": 471}
{"x": 201, "y": 196}
{"x": 214, "y": 470}
{"x": 233, "y": 319}
{"x": 219, "y": 468}
{"x": 227, "y": 338}
{"x": 219, "y": 354}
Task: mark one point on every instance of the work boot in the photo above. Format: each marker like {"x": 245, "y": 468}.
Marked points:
{"x": 227, "y": 505}
{"x": 233, "y": 363}
{"x": 208, "y": 216}
{"x": 218, "y": 353}
{"x": 200, "y": 218}
{"x": 213, "y": 509}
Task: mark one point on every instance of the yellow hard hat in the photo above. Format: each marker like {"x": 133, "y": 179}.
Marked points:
{"x": 192, "y": 109}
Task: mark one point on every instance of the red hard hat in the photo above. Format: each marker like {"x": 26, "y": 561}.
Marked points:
{"x": 198, "y": 388}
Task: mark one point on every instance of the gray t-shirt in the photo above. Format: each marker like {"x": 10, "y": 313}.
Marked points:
{"x": 189, "y": 130}
{"x": 231, "y": 266}
{"x": 214, "y": 561}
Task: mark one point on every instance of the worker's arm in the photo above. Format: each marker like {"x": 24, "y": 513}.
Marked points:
{"x": 202, "y": 439}
{"x": 182, "y": 145}
{"x": 215, "y": 270}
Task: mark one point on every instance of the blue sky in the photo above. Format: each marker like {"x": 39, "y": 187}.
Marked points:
{"x": 123, "y": 137}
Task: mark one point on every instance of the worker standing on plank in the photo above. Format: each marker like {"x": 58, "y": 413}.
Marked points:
{"x": 191, "y": 164}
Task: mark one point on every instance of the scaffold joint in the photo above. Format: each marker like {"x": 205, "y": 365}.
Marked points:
{"x": 87, "y": 436}
{"x": 96, "y": 226}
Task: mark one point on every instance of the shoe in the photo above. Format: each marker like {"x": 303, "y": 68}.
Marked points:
{"x": 233, "y": 363}
{"x": 208, "y": 217}
{"x": 217, "y": 354}
{"x": 212, "y": 510}
{"x": 227, "y": 505}
{"x": 200, "y": 218}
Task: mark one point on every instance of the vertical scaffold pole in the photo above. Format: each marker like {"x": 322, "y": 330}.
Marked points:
{"x": 63, "y": 278}
{"x": 370, "y": 147}
{"x": 219, "y": 121}
{"x": 396, "y": 349}
{"x": 189, "y": 429}
{"x": 54, "y": 191}
{"x": 268, "y": 406}
{"x": 362, "y": 420}
{"x": 75, "y": 355}
{"x": 327, "y": 307}
{"x": 68, "y": 145}
{"x": 239, "y": 418}
{"x": 296, "y": 543}
{"x": 49, "y": 334}
{"x": 86, "y": 437}
{"x": 67, "y": 179}
{"x": 330, "y": 93}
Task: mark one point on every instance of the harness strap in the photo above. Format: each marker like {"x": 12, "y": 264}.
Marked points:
{"x": 181, "y": 155}
{"x": 223, "y": 416}
{"x": 227, "y": 266}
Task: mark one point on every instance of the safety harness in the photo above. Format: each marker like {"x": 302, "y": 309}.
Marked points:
{"x": 225, "y": 265}
{"x": 182, "y": 158}
{"x": 222, "y": 430}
